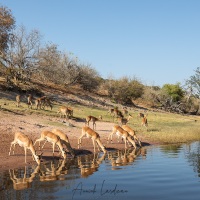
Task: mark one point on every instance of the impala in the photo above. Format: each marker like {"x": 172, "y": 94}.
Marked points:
{"x": 120, "y": 132}
{"x": 125, "y": 111}
{"x": 25, "y": 142}
{"x": 132, "y": 133}
{"x": 117, "y": 113}
{"x": 18, "y": 100}
{"x": 47, "y": 102}
{"x": 42, "y": 102}
{"x": 38, "y": 103}
{"x": 89, "y": 133}
{"x": 64, "y": 140}
{"x": 144, "y": 121}
{"x": 111, "y": 111}
{"x": 52, "y": 138}
{"x": 70, "y": 111}
{"x": 141, "y": 115}
{"x": 93, "y": 119}
{"x": 123, "y": 120}
{"x": 65, "y": 111}
{"x": 30, "y": 100}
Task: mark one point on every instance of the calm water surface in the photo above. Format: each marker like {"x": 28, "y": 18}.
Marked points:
{"x": 161, "y": 172}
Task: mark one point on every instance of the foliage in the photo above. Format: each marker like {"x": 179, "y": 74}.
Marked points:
{"x": 174, "y": 91}
{"x": 21, "y": 55}
{"x": 193, "y": 82}
{"x": 89, "y": 78}
{"x": 124, "y": 90}
{"x": 152, "y": 95}
{"x": 27, "y": 58}
{"x": 59, "y": 68}
{"x": 7, "y": 23}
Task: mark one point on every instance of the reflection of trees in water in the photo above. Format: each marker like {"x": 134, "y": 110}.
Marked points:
{"x": 172, "y": 150}
{"x": 193, "y": 156}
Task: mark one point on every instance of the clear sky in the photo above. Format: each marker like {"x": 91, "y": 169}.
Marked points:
{"x": 156, "y": 41}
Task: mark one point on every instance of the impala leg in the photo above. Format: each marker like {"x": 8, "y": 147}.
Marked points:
{"x": 87, "y": 122}
{"x": 136, "y": 139}
{"x": 38, "y": 140}
{"x": 97, "y": 146}
{"x": 60, "y": 151}
{"x": 118, "y": 138}
{"x": 79, "y": 141}
{"x": 25, "y": 151}
{"x": 125, "y": 142}
{"x": 128, "y": 143}
{"x": 53, "y": 148}
{"x": 14, "y": 176}
{"x": 44, "y": 144}
{"x": 93, "y": 144}
{"x": 10, "y": 148}
{"x": 12, "y": 143}
{"x": 94, "y": 125}
{"x": 132, "y": 142}
{"x": 14, "y": 148}
{"x": 110, "y": 137}
{"x": 11, "y": 175}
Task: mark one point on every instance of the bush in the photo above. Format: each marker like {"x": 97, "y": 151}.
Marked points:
{"x": 124, "y": 90}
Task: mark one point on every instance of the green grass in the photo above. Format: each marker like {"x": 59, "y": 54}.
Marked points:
{"x": 163, "y": 128}
{"x": 170, "y": 128}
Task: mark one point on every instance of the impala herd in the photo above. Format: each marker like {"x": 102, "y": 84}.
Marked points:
{"x": 57, "y": 138}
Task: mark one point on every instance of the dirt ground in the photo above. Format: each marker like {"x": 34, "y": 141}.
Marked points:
{"x": 32, "y": 125}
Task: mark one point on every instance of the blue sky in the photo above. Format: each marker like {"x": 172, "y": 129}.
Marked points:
{"x": 156, "y": 41}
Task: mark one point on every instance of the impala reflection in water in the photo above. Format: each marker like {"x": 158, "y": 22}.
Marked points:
{"x": 20, "y": 179}
{"x": 60, "y": 169}
{"x": 142, "y": 173}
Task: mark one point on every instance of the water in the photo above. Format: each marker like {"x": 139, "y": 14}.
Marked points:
{"x": 161, "y": 172}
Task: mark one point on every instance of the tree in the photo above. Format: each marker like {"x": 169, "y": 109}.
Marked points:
{"x": 193, "y": 83}
{"x": 193, "y": 87}
{"x": 89, "y": 78}
{"x": 7, "y": 24}
{"x": 174, "y": 91}
{"x": 22, "y": 53}
{"x": 124, "y": 90}
{"x": 48, "y": 64}
{"x": 57, "y": 67}
{"x": 152, "y": 95}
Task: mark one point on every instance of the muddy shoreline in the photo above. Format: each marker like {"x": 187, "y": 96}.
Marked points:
{"x": 32, "y": 125}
